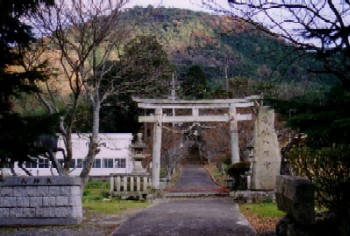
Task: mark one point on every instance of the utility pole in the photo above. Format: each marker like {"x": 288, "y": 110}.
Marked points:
{"x": 226, "y": 73}
{"x": 173, "y": 88}
{"x": 173, "y": 93}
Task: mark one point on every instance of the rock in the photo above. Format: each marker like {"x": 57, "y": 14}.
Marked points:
{"x": 295, "y": 196}
{"x": 282, "y": 226}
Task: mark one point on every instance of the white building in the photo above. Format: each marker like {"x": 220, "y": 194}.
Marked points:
{"x": 114, "y": 156}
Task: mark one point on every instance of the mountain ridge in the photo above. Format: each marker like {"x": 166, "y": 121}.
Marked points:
{"x": 215, "y": 41}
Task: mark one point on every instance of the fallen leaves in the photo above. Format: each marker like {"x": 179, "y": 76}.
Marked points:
{"x": 260, "y": 224}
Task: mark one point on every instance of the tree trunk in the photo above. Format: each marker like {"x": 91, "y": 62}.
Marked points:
{"x": 69, "y": 150}
{"x": 93, "y": 146}
{"x": 68, "y": 135}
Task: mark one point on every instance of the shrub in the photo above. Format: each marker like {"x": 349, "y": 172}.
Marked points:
{"x": 86, "y": 193}
{"x": 329, "y": 169}
{"x": 97, "y": 185}
{"x": 104, "y": 194}
{"x": 236, "y": 171}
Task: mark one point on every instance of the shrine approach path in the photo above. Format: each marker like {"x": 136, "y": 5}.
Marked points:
{"x": 195, "y": 210}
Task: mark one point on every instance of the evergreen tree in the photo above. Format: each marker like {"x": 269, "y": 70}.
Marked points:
{"x": 17, "y": 134}
{"x": 326, "y": 122}
{"x": 195, "y": 84}
{"x": 143, "y": 71}
{"x": 146, "y": 67}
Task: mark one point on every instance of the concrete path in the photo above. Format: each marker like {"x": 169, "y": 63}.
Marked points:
{"x": 194, "y": 175}
{"x": 188, "y": 217}
{"x": 194, "y": 180}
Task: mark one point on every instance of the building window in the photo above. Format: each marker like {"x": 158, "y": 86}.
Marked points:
{"x": 72, "y": 163}
{"x": 31, "y": 164}
{"x": 43, "y": 163}
{"x": 108, "y": 163}
{"x": 97, "y": 163}
{"x": 80, "y": 163}
{"x": 120, "y": 163}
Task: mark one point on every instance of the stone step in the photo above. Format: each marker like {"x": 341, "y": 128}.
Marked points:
{"x": 193, "y": 195}
{"x": 189, "y": 163}
{"x": 195, "y": 191}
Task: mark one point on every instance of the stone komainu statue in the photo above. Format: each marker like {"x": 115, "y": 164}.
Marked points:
{"x": 44, "y": 147}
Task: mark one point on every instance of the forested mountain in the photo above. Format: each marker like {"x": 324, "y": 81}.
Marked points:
{"x": 216, "y": 41}
{"x": 254, "y": 62}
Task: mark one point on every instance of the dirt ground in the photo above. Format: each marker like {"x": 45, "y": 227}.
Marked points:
{"x": 94, "y": 223}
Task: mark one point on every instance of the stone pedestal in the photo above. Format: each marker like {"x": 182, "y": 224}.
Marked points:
{"x": 41, "y": 200}
{"x": 267, "y": 157}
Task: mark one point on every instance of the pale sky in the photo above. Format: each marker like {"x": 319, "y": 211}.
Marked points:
{"x": 187, "y": 4}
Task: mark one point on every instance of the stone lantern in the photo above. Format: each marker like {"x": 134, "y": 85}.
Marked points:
{"x": 249, "y": 151}
{"x": 137, "y": 154}
{"x": 249, "y": 155}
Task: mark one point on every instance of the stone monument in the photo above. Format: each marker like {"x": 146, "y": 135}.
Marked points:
{"x": 267, "y": 157}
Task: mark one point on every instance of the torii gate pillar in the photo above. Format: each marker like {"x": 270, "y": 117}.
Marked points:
{"x": 234, "y": 134}
{"x": 157, "y": 144}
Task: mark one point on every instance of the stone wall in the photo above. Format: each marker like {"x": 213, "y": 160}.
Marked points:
{"x": 295, "y": 196}
{"x": 44, "y": 200}
{"x": 247, "y": 196}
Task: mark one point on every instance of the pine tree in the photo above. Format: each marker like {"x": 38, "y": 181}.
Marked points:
{"x": 17, "y": 133}
{"x": 195, "y": 84}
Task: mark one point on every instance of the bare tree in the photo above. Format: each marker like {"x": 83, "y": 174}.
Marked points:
{"x": 91, "y": 38}
{"x": 173, "y": 149}
{"x": 85, "y": 33}
{"x": 320, "y": 28}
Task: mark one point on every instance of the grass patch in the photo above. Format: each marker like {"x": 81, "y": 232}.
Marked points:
{"x": 93, "y": 184}
{"x": 95, "y": 198}
{"x": 262, "y": 216}
{"x": 175, "y": 176}
{"x": 216, "y": 173}
{"x": 114, "y": 206}
{"x": 95, "y": 194}
{"x": 262, "y": 209}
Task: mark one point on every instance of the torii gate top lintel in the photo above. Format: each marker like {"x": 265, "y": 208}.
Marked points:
{"x": 208, "y": 102}
{"x": 159, "y": 104}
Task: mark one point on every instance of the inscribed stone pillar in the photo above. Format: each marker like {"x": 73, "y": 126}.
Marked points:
{"x": 267, "y": 157}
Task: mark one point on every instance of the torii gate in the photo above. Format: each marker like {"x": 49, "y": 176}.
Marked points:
{"x": 158, "y": 118}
